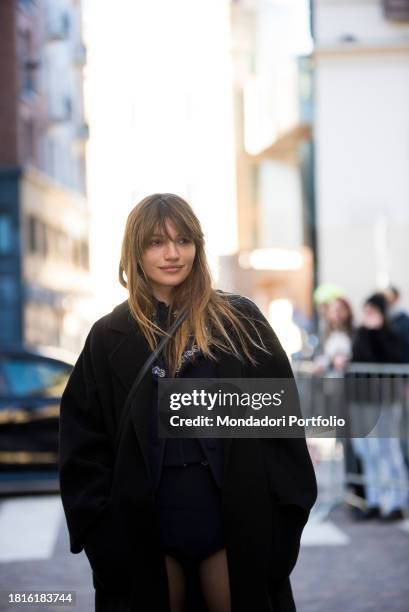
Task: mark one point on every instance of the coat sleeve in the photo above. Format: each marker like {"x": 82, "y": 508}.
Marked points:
{"x": 85, "y": 452}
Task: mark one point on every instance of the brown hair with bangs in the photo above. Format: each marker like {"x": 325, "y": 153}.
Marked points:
{"x": 209, "y": 311}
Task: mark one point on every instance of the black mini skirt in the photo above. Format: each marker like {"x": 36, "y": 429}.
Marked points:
{"x": 188, "y": 503}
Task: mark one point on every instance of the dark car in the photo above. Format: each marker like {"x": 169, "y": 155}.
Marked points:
{"x": 31, "y": 385}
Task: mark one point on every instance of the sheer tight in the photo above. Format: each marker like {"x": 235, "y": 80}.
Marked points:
{"x": 214, "y": 581}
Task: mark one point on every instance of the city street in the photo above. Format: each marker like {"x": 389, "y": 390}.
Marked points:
{"x": 206, "y": 192}
{"x": 342, "y": 565}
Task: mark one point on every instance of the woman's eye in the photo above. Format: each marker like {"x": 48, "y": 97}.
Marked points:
{"x": 184, "y": 241}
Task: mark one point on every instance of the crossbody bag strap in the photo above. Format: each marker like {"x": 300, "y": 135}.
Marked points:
{"x": 146, "y": 366}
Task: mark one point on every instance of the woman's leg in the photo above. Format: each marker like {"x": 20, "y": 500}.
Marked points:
{"x": 393, "y": 475}
{"x": 214, "y": 578}
{"x": 367, "y": 449}
{"x": 176, "y": 581}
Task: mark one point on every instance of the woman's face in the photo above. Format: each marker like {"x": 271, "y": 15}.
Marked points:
{"x": 337, "y": 313}
{"x": 167, "y": 263}
{"x": 372, "y": 318}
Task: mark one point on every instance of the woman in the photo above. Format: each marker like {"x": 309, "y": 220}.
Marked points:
{"x": 187, "y": 524}
{"x": 337, "y": 350}
{"x": 386, "y": 483}
{"x": 338, "y": 337}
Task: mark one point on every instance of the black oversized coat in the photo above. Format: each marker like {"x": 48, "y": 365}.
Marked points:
{"x": 269, "y": 484}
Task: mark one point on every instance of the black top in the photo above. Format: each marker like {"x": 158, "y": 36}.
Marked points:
{"x": 182, "y": 451}
{"x": 381, "y": 345}
{"x": 400, "y": 325}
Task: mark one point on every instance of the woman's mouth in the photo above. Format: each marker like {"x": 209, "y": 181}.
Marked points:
{"x": 171, "y": 269}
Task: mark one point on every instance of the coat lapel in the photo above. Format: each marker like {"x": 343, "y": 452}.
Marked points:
{"x": 130, "y": 349}
{"x": 130, "y": 352}
{"x": 128, "y": 356}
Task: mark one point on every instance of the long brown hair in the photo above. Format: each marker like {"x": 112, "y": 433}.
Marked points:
{"x": 212, "y": 320}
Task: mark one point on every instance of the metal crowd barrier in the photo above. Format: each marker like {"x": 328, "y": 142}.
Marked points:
{"x": 375, "y": 399}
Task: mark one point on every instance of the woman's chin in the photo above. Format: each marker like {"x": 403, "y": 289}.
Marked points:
{"x": 171, "y": 281}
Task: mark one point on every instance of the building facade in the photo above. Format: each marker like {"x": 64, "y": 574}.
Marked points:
{"x": 361, "y": 135}
{"x": 44, "y": 220}
{"x": 273, "y": 114}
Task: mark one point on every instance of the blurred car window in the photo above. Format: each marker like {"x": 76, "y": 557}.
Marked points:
{"x": 33, "y": 377}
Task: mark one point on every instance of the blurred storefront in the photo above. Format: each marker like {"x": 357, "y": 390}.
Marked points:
{"x": 44, "y": 219}
{"x": 274, "y": 159}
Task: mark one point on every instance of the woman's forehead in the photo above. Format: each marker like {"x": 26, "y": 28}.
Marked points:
{"x": 167, "y": 227}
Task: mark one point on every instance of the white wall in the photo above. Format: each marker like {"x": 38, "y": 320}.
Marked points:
{"x": 361, "y": 18}
{"x": 362, "y": 140}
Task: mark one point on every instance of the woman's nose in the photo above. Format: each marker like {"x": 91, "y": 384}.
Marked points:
{"x": 171, "y": 251}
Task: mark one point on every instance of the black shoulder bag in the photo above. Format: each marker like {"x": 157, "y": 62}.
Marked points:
{"x": 146, "y": 366}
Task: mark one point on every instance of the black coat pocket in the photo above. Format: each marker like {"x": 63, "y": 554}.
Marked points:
{"x": 107, "y": 552}
{"x": 288, "y": 524}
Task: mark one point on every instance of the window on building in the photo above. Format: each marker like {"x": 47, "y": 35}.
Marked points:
{"x": 63, "y": 246}
{"x": 27, "y": 3}
{"x": 68, "y": 107}
{"x": 50, "y": 156}
{"x": 24, "y": 44}
{"x": 84, "y": 255}
{"x": 29, "y": 79}
{"x": 8, "y": 289}
{"x": 28, "y": 140}
{"x": 396, "y": 10}
{"x": 28, "y": 64}
{"x": 37, "y": 238}
{"x": 6, "y": 234}
{"x": 66, "y": 23}
{"x": 32, "y": 239}
{"x": 76, "y": 253}
{"x": 51, "y": 240}
{"x": 45, "y": 240}
{"x": 82, "y": 184}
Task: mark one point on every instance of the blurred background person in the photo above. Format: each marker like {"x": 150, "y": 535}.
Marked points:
{"x": 398, "y": 317}
{"x": 382, "y": 460}
{"x": 323, "y": 296}
{"x": 338, "y": 333}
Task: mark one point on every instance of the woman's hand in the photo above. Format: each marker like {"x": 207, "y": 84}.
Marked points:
{"x": 339, "y": 362}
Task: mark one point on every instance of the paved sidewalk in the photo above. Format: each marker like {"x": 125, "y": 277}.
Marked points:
{"x": 368, "y": 573}
{"x": 343, "y": 565}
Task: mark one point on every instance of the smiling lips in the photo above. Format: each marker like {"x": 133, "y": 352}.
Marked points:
{"x": 171, "y": 268}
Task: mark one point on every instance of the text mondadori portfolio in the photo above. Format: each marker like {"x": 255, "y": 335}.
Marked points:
{"x": 252, "y": 421}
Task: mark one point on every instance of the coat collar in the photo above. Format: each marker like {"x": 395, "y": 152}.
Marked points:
{"x": 132, "y": 349}
{"x": 127, "y": 358}
{"x": 120, "y": 319}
